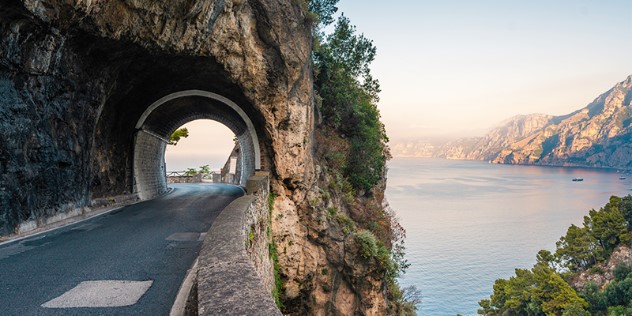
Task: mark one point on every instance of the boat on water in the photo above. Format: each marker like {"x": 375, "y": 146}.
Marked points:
{"x": 578, "y": 179}
{"x": 621, "y": 178}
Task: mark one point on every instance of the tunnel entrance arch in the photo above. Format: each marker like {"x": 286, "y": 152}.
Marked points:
{"x": 170, "y": 112}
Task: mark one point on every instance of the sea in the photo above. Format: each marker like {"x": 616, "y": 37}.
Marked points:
{"x": 469, "y": 223}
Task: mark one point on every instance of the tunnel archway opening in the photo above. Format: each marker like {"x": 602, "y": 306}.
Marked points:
{"x": 209, "y": 143}
{"x": 170, "y": 112}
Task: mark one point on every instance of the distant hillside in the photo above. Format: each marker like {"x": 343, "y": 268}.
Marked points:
{"x": 423, "y": 148}
{"x": 598, "y": 135}
{"x": 499, "y": 138}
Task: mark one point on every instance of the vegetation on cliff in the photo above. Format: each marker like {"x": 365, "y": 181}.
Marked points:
{"x": 351, "y": 150}
{"x": 551, "y": 287}
{"x": 348, "y": 103}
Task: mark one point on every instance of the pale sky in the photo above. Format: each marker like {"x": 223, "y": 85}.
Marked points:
{"x": 209, "y": 143}
{"x": 457, "y": 68}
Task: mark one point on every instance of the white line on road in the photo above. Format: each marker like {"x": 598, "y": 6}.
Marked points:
{"x": 104, "y": 293}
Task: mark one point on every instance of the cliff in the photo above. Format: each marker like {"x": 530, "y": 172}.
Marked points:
{"x": 489, "y": 146}
{"x": 598, "y": 135}
{"x": 75, "y": 76}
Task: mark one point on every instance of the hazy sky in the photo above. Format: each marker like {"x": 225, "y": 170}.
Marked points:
{"x": 460, "y": 67}
{"x": 209, "y": 143}
{"x": 457, "y": 68}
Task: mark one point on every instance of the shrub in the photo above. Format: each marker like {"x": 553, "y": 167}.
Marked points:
{"x": 366, "y": 244}
{"x": 622, "y": 270}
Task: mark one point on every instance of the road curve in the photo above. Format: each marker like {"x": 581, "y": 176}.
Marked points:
{"x": 128, "y": 262}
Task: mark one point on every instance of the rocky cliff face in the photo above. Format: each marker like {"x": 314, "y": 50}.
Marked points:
{"x": 599, "y": 135}
{"x": 603, "y": 273}
{"x": 76, "y": 75}
{"x": 499, "y": 138}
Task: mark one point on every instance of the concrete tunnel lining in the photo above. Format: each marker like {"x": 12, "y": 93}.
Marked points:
{"x": 180, "y": 108}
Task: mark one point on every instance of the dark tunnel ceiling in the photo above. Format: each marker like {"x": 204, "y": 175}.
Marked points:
{"x": 173, "y": 114}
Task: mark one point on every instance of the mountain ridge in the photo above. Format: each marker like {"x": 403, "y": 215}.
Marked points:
{"x": 597, "y": 135}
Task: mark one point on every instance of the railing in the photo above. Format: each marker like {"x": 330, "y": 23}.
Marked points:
{"x": 177, "y": 174}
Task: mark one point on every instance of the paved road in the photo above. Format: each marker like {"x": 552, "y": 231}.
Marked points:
{"x": 137, "y": 255}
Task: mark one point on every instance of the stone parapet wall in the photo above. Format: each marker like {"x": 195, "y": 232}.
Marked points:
{"x": 185, "y": 179}
{"x": 235, "y": 272}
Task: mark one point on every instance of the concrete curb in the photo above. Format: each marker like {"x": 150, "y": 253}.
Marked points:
{"x": 180, "y": 304}
{"x": 86, "y": 214}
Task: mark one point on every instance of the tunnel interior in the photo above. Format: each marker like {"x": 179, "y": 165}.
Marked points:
{"x": 151, "y": 98}
{"x": 72, "y": 101}
{"x": 163, "y": 117}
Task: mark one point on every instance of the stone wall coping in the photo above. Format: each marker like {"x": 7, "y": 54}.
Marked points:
{"x": 227, "y": 281}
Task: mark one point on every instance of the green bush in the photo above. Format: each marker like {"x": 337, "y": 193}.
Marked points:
{"x": 367, "y": 244}
{"x": 622, "y": 271}
{"x": 348, "y": 225}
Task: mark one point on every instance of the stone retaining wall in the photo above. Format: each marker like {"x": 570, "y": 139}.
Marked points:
{"x": 197, "y": 178}
{"x": 235, "y": 272}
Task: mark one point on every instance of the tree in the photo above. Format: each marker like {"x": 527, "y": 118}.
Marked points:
{"x": 348, "y": 96}
{"x": 602, "y": 231}
{"x": 324, "y": 9}
{"x": 576, "y": 250}
{"x": 177, "y": 135}
{"x": 596, "y": 299}
{"x": 575, "y": 309}
{"x": 205, "y": 170}
{"x": 552, "y": 292}
{"x": 609, "y": 227}
{"x": 539, "y": 291}
{"x": 625, "y": 207}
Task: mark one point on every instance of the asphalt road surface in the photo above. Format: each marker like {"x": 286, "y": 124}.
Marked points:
{"x": 131, "y": 261}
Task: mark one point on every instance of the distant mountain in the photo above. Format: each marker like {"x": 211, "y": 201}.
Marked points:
{"x": 416, "y": 148}
{"x": 499, "y": 138}
{"x": 598, "y": 135}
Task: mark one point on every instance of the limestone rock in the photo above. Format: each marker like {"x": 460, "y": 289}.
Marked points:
{"x": 76, "y": 75}
{"x": 598, "y": 135}
{"x": 605, "y": 270}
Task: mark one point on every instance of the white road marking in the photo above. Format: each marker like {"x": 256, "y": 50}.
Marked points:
{"x": 104, "y": 293}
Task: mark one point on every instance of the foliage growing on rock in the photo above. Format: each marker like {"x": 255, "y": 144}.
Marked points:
{"x": 545, "y": 289}
{"x": 351, "y": 150}
{"x": 348, "y": 95}
{"x": 177, "y": 135}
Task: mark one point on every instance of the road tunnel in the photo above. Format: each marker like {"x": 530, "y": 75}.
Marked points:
{"x": 167, "y": 114}
{"x": 153, "y": 97}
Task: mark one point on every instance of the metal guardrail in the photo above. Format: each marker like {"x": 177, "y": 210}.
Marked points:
{"x": 177, "y": 174}
{"x": 184, "y": 173}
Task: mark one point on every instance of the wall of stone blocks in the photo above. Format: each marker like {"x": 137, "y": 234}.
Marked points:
{"x": 149, "y": 166}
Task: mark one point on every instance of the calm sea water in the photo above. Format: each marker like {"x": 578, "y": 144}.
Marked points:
{"x": 469, "y": 223}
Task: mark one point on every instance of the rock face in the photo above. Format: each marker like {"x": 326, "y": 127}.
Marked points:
{"x": 603, "y": 273}
{"x": 76, "y": 75}
{"x": 499, "y": 138}
{"x": 598, "y": 135}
